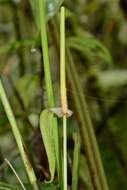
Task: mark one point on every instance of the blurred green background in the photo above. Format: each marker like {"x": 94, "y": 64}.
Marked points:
{"x": 96, "y": 32}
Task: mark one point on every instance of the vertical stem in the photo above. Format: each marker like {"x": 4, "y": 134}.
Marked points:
{"x": 63, "y": 91}
{"x": 62, "y": 62}
{"x": 65, "y": 150}
{"x": 45, "y": 52}
{"x": 97, "y": 173}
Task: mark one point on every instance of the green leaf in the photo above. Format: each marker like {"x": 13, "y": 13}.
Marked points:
{"x": 46, "y": 123}
{"x": 114, "y": 78}
{"x": 90, "y": 47}
{"x": 52, "y": 7}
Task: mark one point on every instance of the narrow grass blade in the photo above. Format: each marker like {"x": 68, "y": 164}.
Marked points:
{"x": 18, "y": 178}
{"x": 18, "y": 137}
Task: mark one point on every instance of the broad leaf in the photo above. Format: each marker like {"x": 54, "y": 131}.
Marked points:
{"x": 46, "y": 121}
{"x": 90, "y": 47}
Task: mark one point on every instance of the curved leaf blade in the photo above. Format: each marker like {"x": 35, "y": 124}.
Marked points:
{"x": 46, "y": 121}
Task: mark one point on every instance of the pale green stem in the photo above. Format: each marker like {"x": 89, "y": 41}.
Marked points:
{"x": 83, "y": 115}
{"x": 65, "y": 150}
{"x": 63, "y": 92}
{"x": 18, "y": 137}
{"x": 62, "y": 62}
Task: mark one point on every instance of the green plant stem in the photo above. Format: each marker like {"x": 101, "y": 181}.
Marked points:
{"x": 65, "y": 150}
{"x": 63, "y": 92}
{"x": 48, "y": 81}
{"x": 86, "y": 129}
{"x": 45, "y": 52}
{"x": 18, "y": 137}
{"x": 62, "y": 62}
{"x": 83, "y": 132}
{"x": 75, "y": 169}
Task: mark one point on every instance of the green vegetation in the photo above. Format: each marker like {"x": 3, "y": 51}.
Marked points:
{"x": 63, "y": 95}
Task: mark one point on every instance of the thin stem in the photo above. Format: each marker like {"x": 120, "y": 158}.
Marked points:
{"x": 18, "y": 137}
{"x": 62, "y": 62}
{"x": 65, "y": 150}
{"x": 63, "y": 92}
{"x": 97, "y": 173}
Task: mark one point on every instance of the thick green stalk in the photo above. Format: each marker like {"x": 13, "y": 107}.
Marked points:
{"x": 48, "y": 81}
{"x": 63, "y": 92}
{"x": 18, "y": 137}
